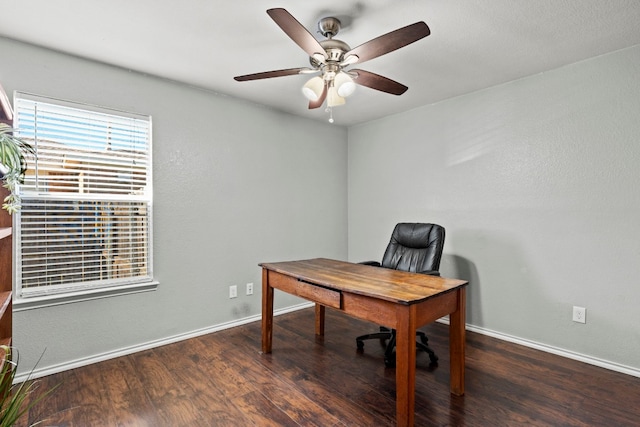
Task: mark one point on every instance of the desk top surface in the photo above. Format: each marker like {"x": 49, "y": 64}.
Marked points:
{"x": 383, "y": 283}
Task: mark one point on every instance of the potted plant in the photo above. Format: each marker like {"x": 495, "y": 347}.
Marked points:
{"x": 13, "y": 165}
{"x": 16, "y": 400}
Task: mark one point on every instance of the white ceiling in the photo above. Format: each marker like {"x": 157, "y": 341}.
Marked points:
{"x": 473, "y": 44}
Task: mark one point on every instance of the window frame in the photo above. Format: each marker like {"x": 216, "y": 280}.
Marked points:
{"x": 81, "y": 290}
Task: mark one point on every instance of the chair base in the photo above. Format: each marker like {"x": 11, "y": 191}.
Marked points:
{"x": 390, "y": 347}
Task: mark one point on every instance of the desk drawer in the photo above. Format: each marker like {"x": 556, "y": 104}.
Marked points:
{"x": 309, "y": 291}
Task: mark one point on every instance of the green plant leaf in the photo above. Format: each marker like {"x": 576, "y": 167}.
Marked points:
{"x": 13, "y": 398}
{"x": 14, "y": 164}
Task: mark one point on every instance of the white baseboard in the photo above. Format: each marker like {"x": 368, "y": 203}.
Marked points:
{"x": 553, "y": 350}
{"x": 37, "y": 373}
{"x": 54, "y": 369}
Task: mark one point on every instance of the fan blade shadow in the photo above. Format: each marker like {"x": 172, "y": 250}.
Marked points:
{"x": 297, "y": 32}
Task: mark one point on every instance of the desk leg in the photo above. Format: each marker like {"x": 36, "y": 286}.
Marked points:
{"x": 457, "y": 321}
{"x": 405, "y": 365}
{"x": 320, "y": 319}
{"x": 267, "y": 312}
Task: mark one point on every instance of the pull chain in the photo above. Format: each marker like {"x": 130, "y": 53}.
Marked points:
{"x": 330, "y": 111}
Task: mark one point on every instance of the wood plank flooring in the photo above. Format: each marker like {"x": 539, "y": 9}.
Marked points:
{"x": 221, "y": 379}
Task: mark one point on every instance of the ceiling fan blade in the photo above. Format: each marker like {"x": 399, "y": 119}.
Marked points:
{"x": 378, "y": 82}
{"x": 270, "y": 74}
{"x": 389, "y": 42}
{"x": 318, "y": 103}
{"x": 297, "y": 32}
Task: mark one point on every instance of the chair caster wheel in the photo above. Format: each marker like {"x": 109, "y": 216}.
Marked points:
{"x": 360, "y": 345}
{"x": 390, "y": 363}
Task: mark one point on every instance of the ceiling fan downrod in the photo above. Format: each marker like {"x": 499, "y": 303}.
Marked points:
{"x": 329, "y": 26}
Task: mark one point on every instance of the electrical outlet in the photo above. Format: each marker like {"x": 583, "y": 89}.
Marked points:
{"x": 233, "y": 291}
{"x": 249, "y": 288}
{"x": 579, "y": 314}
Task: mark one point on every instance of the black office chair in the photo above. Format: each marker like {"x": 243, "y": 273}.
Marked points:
{"x": 416, "y": 248}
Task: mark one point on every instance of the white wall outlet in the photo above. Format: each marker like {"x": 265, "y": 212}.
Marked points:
{"x": 579, "y": 314}
{"x": 233, "y": 291}
{"x": 249, "y": 288}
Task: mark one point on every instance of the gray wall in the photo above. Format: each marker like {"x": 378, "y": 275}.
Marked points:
{"x": 234, "y": 184}
{"x": 536, "y": 182}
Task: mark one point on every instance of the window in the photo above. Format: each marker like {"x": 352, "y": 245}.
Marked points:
{"x": 85, "y": 222}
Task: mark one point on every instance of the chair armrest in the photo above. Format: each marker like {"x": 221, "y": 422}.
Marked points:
{"x": 430, "y": 272}
{"x": 372, "y": 263}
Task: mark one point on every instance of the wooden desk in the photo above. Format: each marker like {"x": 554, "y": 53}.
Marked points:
{"x": 396, "y": 299}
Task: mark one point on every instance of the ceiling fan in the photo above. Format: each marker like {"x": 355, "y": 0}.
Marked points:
{"x": 331, "y": 58}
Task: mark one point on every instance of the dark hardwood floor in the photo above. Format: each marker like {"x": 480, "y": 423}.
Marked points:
{"x": 221, "y": 379}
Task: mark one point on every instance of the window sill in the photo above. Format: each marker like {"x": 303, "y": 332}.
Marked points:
{"x": 22, "y": 304}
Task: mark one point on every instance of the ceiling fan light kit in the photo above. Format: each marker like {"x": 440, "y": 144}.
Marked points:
{"x": 331, "y": 57}
{"x": 313, "y": 88}
{"x": 334, "y": 99}
{"x": 344, "y": 84}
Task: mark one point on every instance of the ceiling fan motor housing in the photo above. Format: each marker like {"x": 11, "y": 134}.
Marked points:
{"x": 335, "y": 50}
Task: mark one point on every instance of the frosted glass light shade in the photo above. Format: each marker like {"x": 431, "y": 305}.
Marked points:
{"x": 313, "y": 88}
{"x": 344, "y": 83}
{"x": 333, "y": 99}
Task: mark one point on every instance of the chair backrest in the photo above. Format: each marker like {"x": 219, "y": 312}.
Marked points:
{"x": 414, "y": 247}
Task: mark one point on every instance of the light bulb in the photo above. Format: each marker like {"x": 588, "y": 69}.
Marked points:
{"x": 344, "y": 83}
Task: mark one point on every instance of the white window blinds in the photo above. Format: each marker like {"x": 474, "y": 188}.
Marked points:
{"x": 85, "y": 221}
